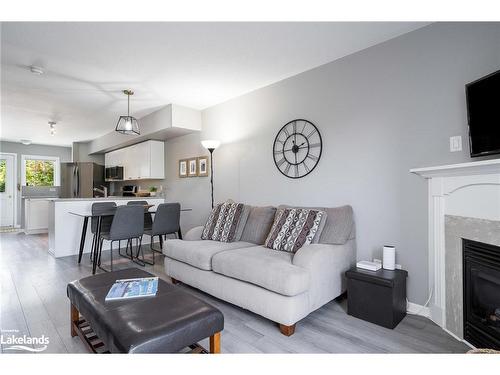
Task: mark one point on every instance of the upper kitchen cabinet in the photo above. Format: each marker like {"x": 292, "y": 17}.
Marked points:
{"x": 141, "y": 161}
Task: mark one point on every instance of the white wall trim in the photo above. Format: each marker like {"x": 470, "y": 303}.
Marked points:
{"x": 416, "y": 309}
{"x": 458, "y": 338}
{"x": 15, "y": 225}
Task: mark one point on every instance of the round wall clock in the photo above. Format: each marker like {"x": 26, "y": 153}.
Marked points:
{"x": 297, "y": 148}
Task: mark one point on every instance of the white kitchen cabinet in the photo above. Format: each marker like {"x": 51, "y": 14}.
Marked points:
{"x": 36, "y": 216}
{"x": 141, "y": 161}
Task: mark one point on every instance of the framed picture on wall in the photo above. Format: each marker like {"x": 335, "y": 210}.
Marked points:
{"x": 183, "y": 168}
{"x": 203, "y": 166}
{"x": 193, "y": 167}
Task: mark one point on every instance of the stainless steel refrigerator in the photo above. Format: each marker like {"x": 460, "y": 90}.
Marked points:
{"x": 78, "y": 180}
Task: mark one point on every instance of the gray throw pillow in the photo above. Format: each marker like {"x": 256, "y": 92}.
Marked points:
{"x": 222, "y": 224}
{"x": 258, "y": 224}
{"x": 294, "y": 228}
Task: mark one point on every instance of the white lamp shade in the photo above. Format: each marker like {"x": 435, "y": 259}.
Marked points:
{"x": 210, "y": 144}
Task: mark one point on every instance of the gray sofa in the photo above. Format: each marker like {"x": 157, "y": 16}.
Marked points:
{"x": 281, "y": 286}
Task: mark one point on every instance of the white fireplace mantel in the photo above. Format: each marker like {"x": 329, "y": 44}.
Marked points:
{"x": 462, "y": 169}
{"x": 444, "y": 181}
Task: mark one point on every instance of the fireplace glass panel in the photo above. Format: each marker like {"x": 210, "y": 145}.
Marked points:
{"x": 481, "y": 294}
{"x": 485, "y": 298}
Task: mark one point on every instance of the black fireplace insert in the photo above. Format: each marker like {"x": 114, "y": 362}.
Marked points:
{"x": 481, "y": 294}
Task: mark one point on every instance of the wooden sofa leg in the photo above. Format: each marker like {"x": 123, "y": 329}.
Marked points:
{"x": 74, "y": 317}
{"x": 174, "y": 281}
{"x": 287, "y": 330}
{"x": 215, "y": 343}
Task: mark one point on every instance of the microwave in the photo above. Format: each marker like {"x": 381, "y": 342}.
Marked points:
{"x": 114, "y": 173}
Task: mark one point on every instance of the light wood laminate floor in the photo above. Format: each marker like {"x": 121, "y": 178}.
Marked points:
{"x": 33, "y": 302}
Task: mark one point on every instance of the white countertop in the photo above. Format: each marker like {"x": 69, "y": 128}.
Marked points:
{"x": 101, "y": 199}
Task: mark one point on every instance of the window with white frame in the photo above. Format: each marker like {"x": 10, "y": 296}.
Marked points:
{"x": 39, "y": 170}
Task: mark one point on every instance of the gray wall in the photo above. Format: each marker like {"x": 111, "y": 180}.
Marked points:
{"x": 381, "y": 112}
{"x": 191, "y": 192}
{"x": 64, "y": 153}
{"x": 80, "y": 152}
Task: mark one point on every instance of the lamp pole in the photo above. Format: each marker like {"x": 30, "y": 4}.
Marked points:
{"x": 211, "y": 145}
{"x": 211, "y": 150}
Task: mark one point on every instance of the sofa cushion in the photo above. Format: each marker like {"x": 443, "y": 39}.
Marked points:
{"x": 242, "y": 222}
{"x": 222, "y": 224}
{"x": 258, "y": 224}
{"x": 293, "y": 228}
{"x": 269, "y": 269}
{"x": 199, "y": 253}
{"x": 338, "y": 226}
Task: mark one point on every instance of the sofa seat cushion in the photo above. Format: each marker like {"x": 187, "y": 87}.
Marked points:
{"x": 269, "y": 269}
{"x": 199, "y": 253}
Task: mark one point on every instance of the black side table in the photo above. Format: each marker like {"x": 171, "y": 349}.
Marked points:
{"x": 377, "y": 296}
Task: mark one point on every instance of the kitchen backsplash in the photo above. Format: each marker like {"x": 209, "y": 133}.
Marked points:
{"x": 40, "y": 191}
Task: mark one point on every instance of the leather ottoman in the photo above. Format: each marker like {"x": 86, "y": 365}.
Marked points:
{"x": 167, "y": 323}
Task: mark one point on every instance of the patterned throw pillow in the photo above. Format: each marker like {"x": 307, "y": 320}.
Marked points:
{"x": 223, "y": 222}
{"x": 293, "y": 228}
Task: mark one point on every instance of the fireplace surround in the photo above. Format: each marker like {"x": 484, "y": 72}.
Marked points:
{"x": 464, "y": 202}
{"x": 481, "y": 288}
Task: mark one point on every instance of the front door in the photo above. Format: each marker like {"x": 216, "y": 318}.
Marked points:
{"x": 7, "y": 190}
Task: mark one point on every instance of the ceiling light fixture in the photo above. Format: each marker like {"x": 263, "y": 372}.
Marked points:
{"x": 36, "y": 70}
{"x": 25, "y": 141}
{"x": 128, "y": 124}
{"x": 52, "y": 128}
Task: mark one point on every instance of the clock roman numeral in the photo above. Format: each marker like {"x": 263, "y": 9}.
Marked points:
{"x": 312, "y": 145}
{"x": 312, "y": 157}
{"x": 296, "y": 170}
{"x": 280, "y": 162}
{"x": 287, "y": 168}
{"x": 311, "y": 133}
{"x": 305, "y": 166}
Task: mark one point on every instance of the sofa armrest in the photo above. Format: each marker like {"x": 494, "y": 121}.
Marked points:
{"x": 194, "y": 234}
{"x": 326, "y": 265}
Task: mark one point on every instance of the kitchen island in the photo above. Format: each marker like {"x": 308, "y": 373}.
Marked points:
{"x": 65, "y": 229}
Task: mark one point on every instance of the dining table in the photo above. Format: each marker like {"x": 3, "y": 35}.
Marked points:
{"x": 86, "y": 215}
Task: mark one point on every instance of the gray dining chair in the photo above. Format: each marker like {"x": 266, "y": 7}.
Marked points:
{"x": 127, "y": 224}
{"x": 167, "y": 221}
{"x": 96, "y": 209}
{"x": 148, "y": 220}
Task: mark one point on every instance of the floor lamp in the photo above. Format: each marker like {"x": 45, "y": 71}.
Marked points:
{"x": 211, "y": 145}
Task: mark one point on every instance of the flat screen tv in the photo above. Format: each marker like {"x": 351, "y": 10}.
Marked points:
{"x": 483, "y": 114}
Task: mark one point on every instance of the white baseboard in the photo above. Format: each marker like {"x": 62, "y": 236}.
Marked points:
{"x": 416, "y": 309}
{"x": 458, "y": 338}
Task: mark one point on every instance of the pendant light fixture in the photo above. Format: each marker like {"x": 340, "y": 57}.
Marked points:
{"x": 52, "y": 128}
{"x": 128, "y": 124}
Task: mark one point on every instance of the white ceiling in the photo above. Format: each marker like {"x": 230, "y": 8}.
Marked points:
{"x": 193, "y": 64}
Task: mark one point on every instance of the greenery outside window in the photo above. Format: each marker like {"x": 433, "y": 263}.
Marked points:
{"x": 3, "y": 170}
{"x": 40, "y": 170}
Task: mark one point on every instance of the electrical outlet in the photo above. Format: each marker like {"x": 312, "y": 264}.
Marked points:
{"x": 456, "y": 143}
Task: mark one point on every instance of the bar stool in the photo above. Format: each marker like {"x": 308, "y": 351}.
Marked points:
{"x": 96, "y": 209}
{"x": 128, "y": 224}
{"x": 167, "y": 221}
{"x": 148, "y": 219}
